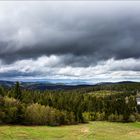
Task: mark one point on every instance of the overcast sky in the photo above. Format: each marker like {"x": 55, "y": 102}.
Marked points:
{"x": 87, "y": 41}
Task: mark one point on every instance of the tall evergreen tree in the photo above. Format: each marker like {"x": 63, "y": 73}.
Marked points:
{"x": 17, "y": 91}
{"x": 1, "y": 91}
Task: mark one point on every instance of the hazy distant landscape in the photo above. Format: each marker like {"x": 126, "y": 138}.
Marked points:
{"x": 99, "y": 111}
{"x": 69, "y": 70}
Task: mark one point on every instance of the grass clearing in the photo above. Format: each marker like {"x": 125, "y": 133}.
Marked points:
{"x": 90, "y": 131}
{"x": 102, "y": 93}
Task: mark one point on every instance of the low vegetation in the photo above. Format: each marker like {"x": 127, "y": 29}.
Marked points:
{"x": 91, "y": 131}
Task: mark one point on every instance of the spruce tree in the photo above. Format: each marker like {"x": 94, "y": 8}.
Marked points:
{"x": 1, "y": 91}
{"x": 17, "y": 91}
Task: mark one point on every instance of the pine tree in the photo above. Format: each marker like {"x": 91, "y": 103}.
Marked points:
{"x": 1, "y": 91}
{"x": 17, "y": 91}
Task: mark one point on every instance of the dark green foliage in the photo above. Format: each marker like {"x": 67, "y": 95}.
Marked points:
{"x": 112, "y": 103}
{"x": 115, "y": 118}
{"x": 17, "y": 91}
{"x": 1, "y": 91}
{"x": 14, "y": 110}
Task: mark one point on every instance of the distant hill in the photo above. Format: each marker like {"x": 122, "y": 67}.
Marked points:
{"x": 7, "y": 84}
{"x": 121, "y": 82}
{"x": 42, "y": 85}
{"x": 58, "y": 86}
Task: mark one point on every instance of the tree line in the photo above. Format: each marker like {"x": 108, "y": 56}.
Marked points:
{"x": 63, "y": 107}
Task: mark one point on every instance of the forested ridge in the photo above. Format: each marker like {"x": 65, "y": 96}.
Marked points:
{"x": 113, "y": 102}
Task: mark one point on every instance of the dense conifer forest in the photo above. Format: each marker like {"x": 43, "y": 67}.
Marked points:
{"x": 111, "y": 102}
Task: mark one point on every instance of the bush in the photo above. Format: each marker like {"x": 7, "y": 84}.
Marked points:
{"x": 89, "y": 116}
{"x": 120, "y": 118}
{"x": 10, "y": 102}
{"x": 132, "y": 118}
{"x": 111, "y": 118}
{"x": 14, "y": 110}
{"x": 115, "y": 118}
{"x": 2, "y": 116}
{"x": 92, "y": 116}
{"x": 37, "y": 114}
{"x": 137, "y": 117}
{"x": 86, "y": 116}
{"x": 68, "y": 117}
{"x": 100, "y": 116}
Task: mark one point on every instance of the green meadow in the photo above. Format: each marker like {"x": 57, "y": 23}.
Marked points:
{"x": 90, "y": 131}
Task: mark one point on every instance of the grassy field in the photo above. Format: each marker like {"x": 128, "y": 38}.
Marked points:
{"x": 91, "y": 131}
{"x": 104, "y": 93}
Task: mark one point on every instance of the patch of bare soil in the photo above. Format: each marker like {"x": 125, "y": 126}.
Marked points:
{"x": 134, "y": 133}
{"x": 85, "y": 130}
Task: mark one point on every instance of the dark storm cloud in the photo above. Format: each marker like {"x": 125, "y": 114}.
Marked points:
{"x": 82, "y": 36}
{"x": 15, "y": 73}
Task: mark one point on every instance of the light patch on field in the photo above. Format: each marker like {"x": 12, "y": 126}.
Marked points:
{"x": 22, "y": 134}
{"x": 85, "y": 130}
{"x": 134, "y": 133}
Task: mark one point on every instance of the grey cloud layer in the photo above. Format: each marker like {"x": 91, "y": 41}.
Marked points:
{"x": 90, "y": 32}
{"x": 82, "y": 40}
{"x": 44, "y": 68}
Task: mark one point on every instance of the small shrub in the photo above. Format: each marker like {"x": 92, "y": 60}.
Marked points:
{"x": 132, "y": 118}
{"x": 137, "y": 117}
{"x": 115, "y": 118}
